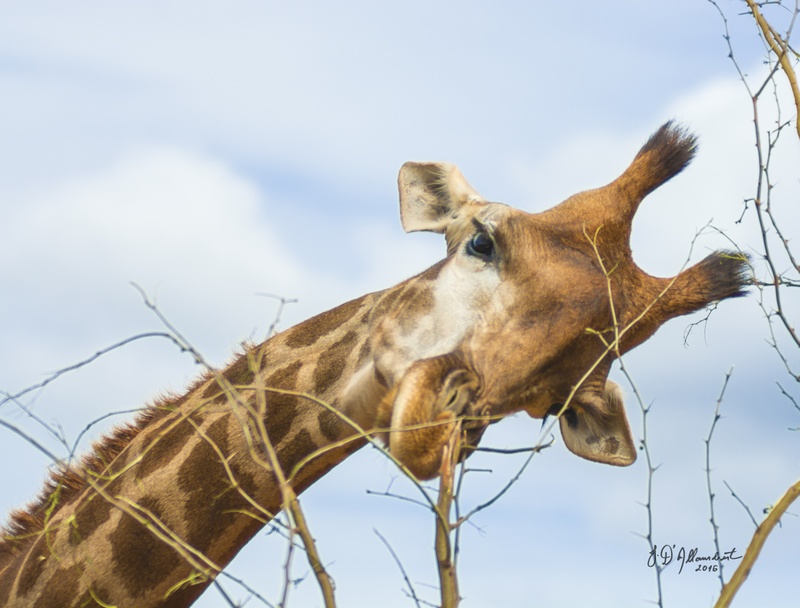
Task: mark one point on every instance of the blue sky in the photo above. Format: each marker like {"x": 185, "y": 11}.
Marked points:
{"x": 223, "y": 151}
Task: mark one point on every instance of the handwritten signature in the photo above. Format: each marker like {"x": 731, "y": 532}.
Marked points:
{"x": 665, "y": 555}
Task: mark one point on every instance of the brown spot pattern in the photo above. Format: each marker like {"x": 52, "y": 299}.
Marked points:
{"x": 414, "y": 303}
{"x": 292, "y": 452}
{"x": 308, "y": 332}
{"x": 407, "y": 295}
{"x": 281, "y": 413}
{"x": 433, "y": 272}
{"x": 246, "y": 532}
{"x": 69, "y": 482}
{"x": 387, "y": 300}
{"x": 6, "y": 581}
{"x": 330, "y": 425}
{"x": 331, "y": 362}
{"x": 87, "y": 601}
{"x": 92, "y": 514}
{"x": 34, "y": 565}
{"x": 211, "y": 496}
{"x": 186, "y": 596}
{"x": 285, "y": 377}
{"x": 64, "y": 584}
{"x": 217, "y": 434}
{"x": 282, "y": 409}
{"x": 141, "y": 560}
{"x": 365, "y": 351}
{"x": 165, "y": 449}
{"x": 241, "y": 372}
{"x": 212, "y": 390}
{"x": 238, "y": 373}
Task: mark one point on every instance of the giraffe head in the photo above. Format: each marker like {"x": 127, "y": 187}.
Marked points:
{"x": 528, "y": 311}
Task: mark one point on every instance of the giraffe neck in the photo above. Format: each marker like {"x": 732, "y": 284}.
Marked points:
{"x": 194, "y": 479}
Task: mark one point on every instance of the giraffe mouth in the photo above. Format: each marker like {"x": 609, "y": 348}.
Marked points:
{"x": 472, "y": 439}
{"x": 477, "y": 418}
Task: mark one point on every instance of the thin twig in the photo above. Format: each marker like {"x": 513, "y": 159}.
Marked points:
{"x": 651, "y": 470}
{"x": 84, "y": 362}
{"x": 73, "y": 450}
{"x": 174, "y": 335}
{"x": 253, "y": 593}
{"x": 419, "y": 503}
{"x": 788, "y": 396}
{"x": 397, "y": 561}
{"x": 282, "y": 302}
{"x": 506, "y": 487}
{"x": 534, "y": 448}
{"x": 713, "y": 520}
{"x": 224, "y": 594}
{"x": 29, "y": 439}
{"x": 741, "y": 502}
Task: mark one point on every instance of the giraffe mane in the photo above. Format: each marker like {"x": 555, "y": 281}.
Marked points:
{"x": 66, "y": 481}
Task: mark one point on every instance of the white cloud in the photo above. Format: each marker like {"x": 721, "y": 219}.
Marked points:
{"x": 166, "y": 219}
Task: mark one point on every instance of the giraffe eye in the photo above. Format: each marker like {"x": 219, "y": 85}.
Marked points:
{"x": 481, "y": 245}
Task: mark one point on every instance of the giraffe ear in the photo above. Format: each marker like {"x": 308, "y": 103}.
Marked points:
{"x": 432, "y": 195}
{"x": 599, "y": 431}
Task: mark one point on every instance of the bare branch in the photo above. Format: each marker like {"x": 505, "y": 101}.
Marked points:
{"x": 65, "y": 370}
{"x": 445, "y": 557}
{"x": 756, "y": 544}
{"x": 780, "y": 48}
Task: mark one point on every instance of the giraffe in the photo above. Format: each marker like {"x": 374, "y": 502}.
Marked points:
{"x": 526, "y": 312}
